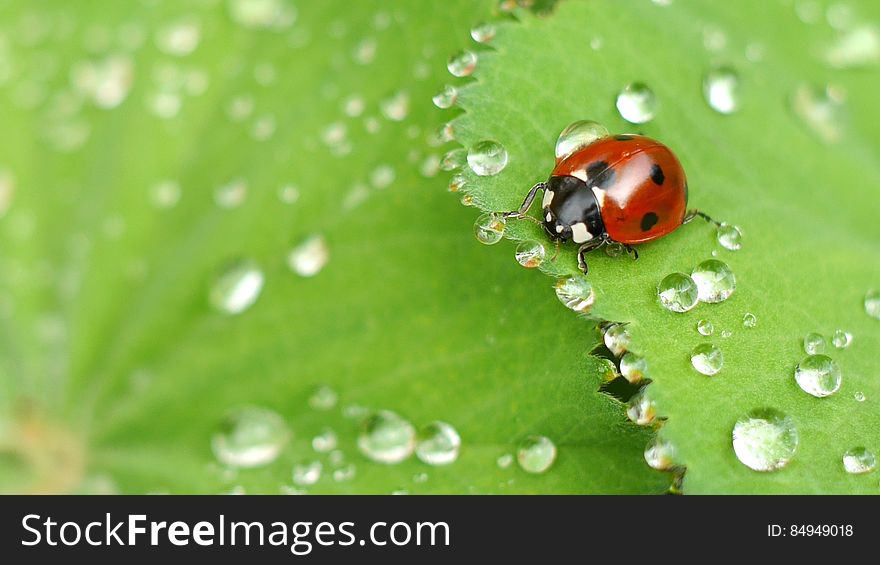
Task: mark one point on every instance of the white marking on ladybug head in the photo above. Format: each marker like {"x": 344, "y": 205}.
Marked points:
{"x": 600, "y": 195}
{"x": 549, "y": 217}
{"x": 580, "y": 174}
{"x": 579, "y": 233}
{"x": 559, "y": 228}
{"x": 548, "y": 198}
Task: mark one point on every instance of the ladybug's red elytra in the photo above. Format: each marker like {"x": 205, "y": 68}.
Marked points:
{"x": 626, "y": 189}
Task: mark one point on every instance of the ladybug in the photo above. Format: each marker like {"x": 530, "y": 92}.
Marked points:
{"x": 625, "y": 189}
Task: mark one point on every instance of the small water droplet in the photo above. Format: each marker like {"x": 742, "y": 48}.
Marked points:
{"x": 420, "y": 478}
{"x": 240, "y": 108}
{"x": 365, "y": 51}
{"x": 396, "y": 107}
{"x": 765, "y": 439}
{"x": 614, "y": 249}
{"x": 641, "y": 409}
{"x": 179, "y": 38}
{"x": 721, "y": 89}
{"x": 637, "y": 103}
{"x": 325, "y": 442}
{"x": 749, "y": 320}
{"x": 489, "y": 228}
{"x": 309, "y": 257}
{"x": 606, "y": 370}
{"x": 456, "y": 183}
{"x": 387, "y": 438}
{"x": 858, "y": 47}
{"x": 577, "y": 135}
{"x": 262, "y": 14}
{"x": 165, "y": 194}
{"x": 446, "y": 97}
{"x": 859, "y": 460}
{"x": 483, "y": 32}
{"x": 729, "y": 237}
{"x": 707, "y": 359}
{"x": 726, "y": 333}
{"x": 819, "y": 109}
{"x": 859, "y": 396}
{"x": 487, "y": 158}
{"x": 382, "y": 176}
{"x": 263, "y": 127}
{"x": 345, "y": 473}
{"x": 231, "y": 195}
{"x": 353, "y": 106}
{"x": 237, "y": 287}
{"x": 814, "y": 344}
{"x": 288, "y": 194}
{"x": 617, "y": 339}
{"x": 535, "y": 454}
{"x": 715, "y": 281}
{"x": 633, "y": 368}
{"x": 305, "y": 474}
{"x": 430, "y": 166}
{"x": 438, "y": 444}
{"x": 818, "y": 375}
{"x": 530, "y": 254}
{"x": 872, "y": 304}
{"x": 705, "y": 327}
{"x": 596, "y": 43}
{"x": 504, "y": 461}
{"x": 323, "y": 398}
{"x": 462, "y": 64}
{"x": 841, "y": 339}
{"x": 250, "y": 437}
{"x": 678, "y": 292}
{"x": 468, "y": 200}
{"x": 576, "y": 293}
{"x": 660, "y": 454}
{"x": 454, "y": 159}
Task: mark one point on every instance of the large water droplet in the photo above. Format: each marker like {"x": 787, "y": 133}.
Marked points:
{"x": 483, "y": 32}
{"x": 678, "y": 292}
{"x": 705, "y": 327}
{"x": 715, "y": 281}
{"x": 660, "y": 454}
{"x": 446, "y": 97}
{"x": 641, "y": 409}
{"x": 814, "y": 344}
{"x": 462, "y": 64}
{"x": 237, "y": 287}
{"x": 858, "y": 47}
{"x": 576, "y": 293}
{"x": 536, "y": 454}
{"x": 707, "y": 359}
{"x": 250, "y": 437}
{"x": 438, "y": 444}
{"x": 617, "y": 339}
{"x": 859, "y": 460}
{"x": 637, "y": 103}
{"x": 818, "y": 375}
{"x": 721, "y": 88}
{"x": 765, "y": 439}
{"x": 387, "y": 438}
{"x": 872, "y": 304}
{"x": 578, "y": 135}
{"x": 305, "y": 474}
{"x": 729, "y": 237}
{"x": 530, "y": 254}
{"x": 819, "y": 109}
{"x": 841, "y": 339}
{"x": 487, "y": 158}
{"x": 489, "y": 228}
{"x": 309, "y": 257}
{"x": 633, "y": 368}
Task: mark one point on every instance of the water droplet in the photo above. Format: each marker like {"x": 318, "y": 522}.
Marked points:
{"x": 729, "y": 237}
{"x": 237, "y": 288}
{"x": 859, "y": 396}
{"x": 231, "y": 195}
{"x": 395, "y": 107}
{"x": 765, "y": 439}
{"x": 841, "y": 339}
{"x": 438, "y": 444}
{"x": 596, "y": 43}
{"x": 325, "y": 442}
{"x": 489, "y": 228}
{"x": 263, "y": 127}
{"x": 660, "y": 454}
{"x": 430, "y": 166}
{"x": 726, "y": 333}
{"x": 749, "y": 320}
{"x": 345, "y": 473}
{"x": 462, "y": 64}
{"x": 446, "y": 97}
{"x": 859, "y": 460}
{"x": 818, "y": 375}
{"x": 487, "y": 158}
{"x": 309, "y": 257}
{"x": 420, "y": 478}
{"x": 7, "y": 192}
{"x": 617, "y": 339}
{"x": 705, "y": 327}
{"x": 382, "y": 176}
{"x": 179, "y": 38}
{"x": 633, "y": 368}
{"x": 387, "y": 438}
{"x": 678, "y": 292}
{"x": 353, "y": 106}
{"x": 721, "y": 89}
{"x": 483, "y": 32}
{"x": 288, "y": 194}
{"x": 637, "y": 103}
{"x": 715, "y": 281}
{"x": 165, "y": 194}
{"x": 305, "y": 474}
{"x": 858, "y": 47}
{"x": 467, "y": 200}
{"x": 530, "y": 254}
{"x": 641, "y": 409}
{"x": 535, "y": 454}
{"x": 576, "y": 293}
{"x": 262, "y": 14}
{"x": 606, "y": 370}
{"x": 819, "y": 109}
{"x": 614, "y": 249}
{"x": 504, "y": 461}
{"x": 454, "y": 159}
{"x": 106, "y": 83}
{"x": 872, "y": 304}
{"x": 250, "y": 437}
{"x": 814, "y": 344}
{"x": 365, "y": 51}
{"x": 707, "y": 359}
{"x": 578, "y": 135}
{"x": 240, "y": 108}
{"x": 324, "y": 398}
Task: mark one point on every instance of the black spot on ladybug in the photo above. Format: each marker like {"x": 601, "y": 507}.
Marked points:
{"x": 623, "y": 137}
{"x": 649, "y": 220}
{"x": 600, "y": 174}
{"x": 657, "y": 174}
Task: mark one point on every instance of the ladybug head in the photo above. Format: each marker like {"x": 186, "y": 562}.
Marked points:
{"x": 571, "y": 210}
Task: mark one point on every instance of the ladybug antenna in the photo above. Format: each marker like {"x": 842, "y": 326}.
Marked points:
{"x": 691, "y": 214}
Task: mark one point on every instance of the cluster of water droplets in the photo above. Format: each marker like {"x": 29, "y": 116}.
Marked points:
{"x": 711, "y": 281}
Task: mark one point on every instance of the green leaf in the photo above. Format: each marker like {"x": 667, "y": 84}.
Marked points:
{"x": 116, "y": 372}
{"x": 802, "y": 191}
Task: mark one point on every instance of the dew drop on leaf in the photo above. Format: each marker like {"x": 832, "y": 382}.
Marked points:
{"x": 530, "y": 254}
{"x": 721, "y": 88}
{"x": 446, "y": 97}
{"x": 306, "y": 474}
{"x": 660, "y": 454}
{"x": 250, "y": 437}
{"x": 578, "y": 135}
{"x": 617, "y": 339}
{"x": 462, "y": 64}
{"x": 814, "y": 344}
{"x": 678, "y": 292}
{"x": 749, "y": 320}
{"x": 535, "y": 454}
{"x": 641, "y": 410}
{"x": 483, "y": 32}
{"x": 633, "y": 368}
{"x": 818, "y": 375}
{"x": 438, "y": 444}
{"x": 309, "y": 257}
{"x": 487, "y": 158}
{"x": 859, "y": 460}
{"x": 489, "y": 228}
{"x": 576, "y": 293}
{"x": 872, "y": 304}
{"x": 841, "y": 339}
{"x": 715, "y": 281}
{"x": 237, "y": 287}
{"x": 765, "y": 439}
{"x": 820, "y": 110}
{"x": 637, "y": 103}
{"x": 325, "y": 442}
{"x": 729, "y": 237}
{"x": 387, "y": 438}
{"x": 323, "y": 398}
{"x": 707, "y": 359}
{"x": 705, "y": 327}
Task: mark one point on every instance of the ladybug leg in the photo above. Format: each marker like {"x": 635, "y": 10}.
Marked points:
{"x": 522, "y": 212}
{"x": 631, "y": 250}
{"x": 691, "y": 214}
{"x": 585, "y": 248}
